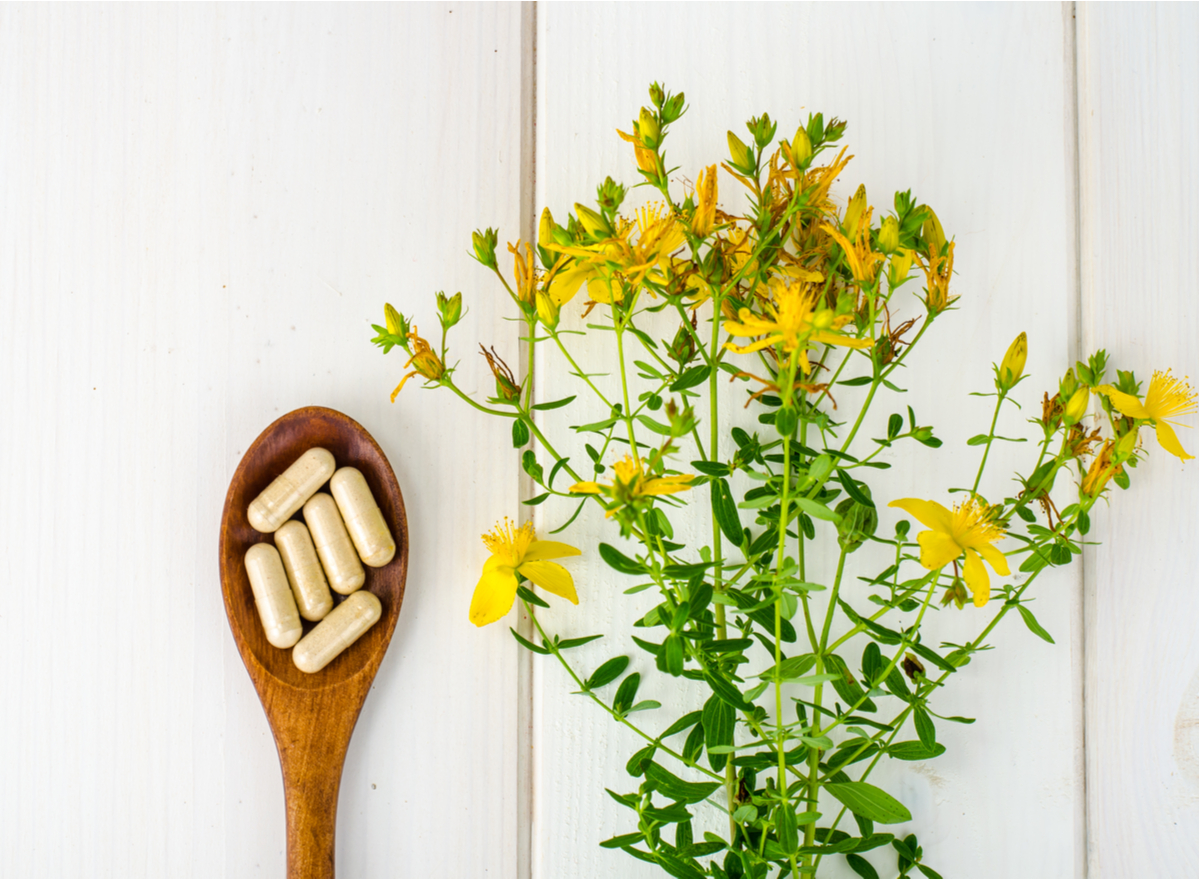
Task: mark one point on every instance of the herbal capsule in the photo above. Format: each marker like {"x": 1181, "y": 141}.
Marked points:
{"x": 272, "y": 595}
{"x": 363, "y": 519}
{"x": 333, "y": 544}
{"x": 344, "y": 625}
{"x": 304, "y": 570}
{"x": 290, "y": 490}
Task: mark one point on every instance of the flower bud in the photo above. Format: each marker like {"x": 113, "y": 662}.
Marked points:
{"x": 547, "y": 310}
{"x": 801, "y": 147}
{"x": 823, "y": 319}
{"x": 899, "y": 266}
{"x": 706, "y": 202}
{"x": 889, "y": 235}
{"x": 485, "y": 247}
{"x": 1066, "y": 387}
{"x": 656, "y": 94}
{"x": 743, "y": 160}
{"x": 1012, "y": 367}
{"x": 1077, "y": 405}
{"x": 592, "y": 222}
{"x": 858, "y": 522}
{"x": 854, "y": 212}
{"x": 397, "y": 324}
{"x": 450, "y": 309}
{"x": 935, "y": 238}
{"x": 648, "y": 129}
{"x": 683, "y": 347}
{"x": 1126, "y": 445}
{"x": 546, "y": 227}
{"x": 682, "y": 421}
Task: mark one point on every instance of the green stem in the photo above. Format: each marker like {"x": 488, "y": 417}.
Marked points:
{"x": 987, "y": 448}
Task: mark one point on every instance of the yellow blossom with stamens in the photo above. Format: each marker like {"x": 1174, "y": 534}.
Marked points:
{"x": 1166, "y": 398}
{"x": 518, "y": 551}
{"x": 630, "y": 484}
{"x": 965, "y": 530}
{"x": 423, "y": 362}
{"x": 861, "y": 258}
{"x": 937, "y": 280}
{"x": 706, "y": 202}
{"x": 794, "y": 320}
{"x": 523, "y": 272}
{"x": 1100, "y": 472}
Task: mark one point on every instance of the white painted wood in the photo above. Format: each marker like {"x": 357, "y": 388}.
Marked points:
{"x": 1138, "y": 117}
{"x": 966, "y": 104}
{"x": 204, "y": 208}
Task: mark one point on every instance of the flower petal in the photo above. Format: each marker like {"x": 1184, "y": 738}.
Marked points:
{"x": 551, "y": 577}
{"x": 666, "y": 485}
{"x": 976, "y": 576}
{"x": 931, "y": 514}
{"x": 494, "y": 595}
{"x": 549, "y": 549}
{"x": 937, "y": 549}
{"x": 995, "y": 558}
{"x": 566, "y": 283}
{"x": 1170, "y": 442}
{"x": 586, "y": 488}
{"x": 1124, "y": 403}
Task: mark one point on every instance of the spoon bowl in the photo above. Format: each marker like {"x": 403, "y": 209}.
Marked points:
{"x": 312, "y": 716}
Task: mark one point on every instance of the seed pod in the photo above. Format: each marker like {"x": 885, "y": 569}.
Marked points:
{"x": 858, "y": 524}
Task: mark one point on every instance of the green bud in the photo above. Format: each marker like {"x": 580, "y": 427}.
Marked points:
{"x": 397, "y": 324}
{"x": 801, "y": 147}
{"x": 648, "y": 129}
{"x": 656, "y": 94}
{"x": 935, "y": 238}
{"x": 610, "y": 194}
{"x": 763, "y": 130}
{"x": 485, "y": 247}
{"x": 683, "y": 421}
{"x": 1066, "y": 387}
{"x": 592, "y": 221}
{"x": 858, "y": 524}
{"x": 889, "y": 235}
{"x": 449, "y": 308}
{"x": 683, "y": 347}
{"x": 547, "y": 310}
{"x": 743, "y": 159}
{"x": 673, "y": 109}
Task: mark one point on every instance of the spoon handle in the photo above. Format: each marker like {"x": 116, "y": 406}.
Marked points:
{"x": 312, "y": 738}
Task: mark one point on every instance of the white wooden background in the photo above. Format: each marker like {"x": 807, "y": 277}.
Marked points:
{"x": 205, "y": 206}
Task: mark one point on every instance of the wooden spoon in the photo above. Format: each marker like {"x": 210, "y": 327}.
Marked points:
{"x": 312, "y": 716}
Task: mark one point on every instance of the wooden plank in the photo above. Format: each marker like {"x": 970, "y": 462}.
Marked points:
{"x": 205, "y": 207}
{"x": 1138, "y": 106}
{"x": 967, "y": 105}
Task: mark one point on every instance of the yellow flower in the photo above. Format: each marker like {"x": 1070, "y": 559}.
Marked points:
{"x": 953, "y": 533}
{"x": 1166, "y": 398}
{"x": 1077, "y": 405}
{"x": 706, "y": 202}
{"x": 423, "y": 362}
{"x": 859, "y": 255}
{"x": 630, "y": 484}
{"x": 523, "y": 272}
{"x": 518, "y": 552}
{"x": 619, "y": 259}
{"x": 794, "y": 320}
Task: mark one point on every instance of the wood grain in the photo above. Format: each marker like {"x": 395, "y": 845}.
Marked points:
{"x": 1139, "y": 222}
{"x": 312, "y": 716}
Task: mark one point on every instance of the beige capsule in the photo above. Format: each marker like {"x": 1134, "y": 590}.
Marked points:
{"x": 344, "y": 625}
{"x": 273, "y": 595}
{"x": 304, "y": 570}
{"x": 362, "y": 516}
{"x": 290, "y": 490}
{"x": 342, "y": 567}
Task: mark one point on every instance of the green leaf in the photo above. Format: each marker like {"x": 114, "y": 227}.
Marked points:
{"x": 528, "y": 645}
{"x": 674, "y": 788}
{"x": 534, "y": 501}
{"x": 845, "y": 684}
{"x": 520, "y": 433}
{"x": 623, "y": 840}
{"x": 817, "y": 509}
{"x": 923, "y": 651}
{"x": 607, "y": 673}
{"x": 618, "y": 561}
{"x": 626, "y": 693}
{"x": 785, "y": 828}
{"x": 677, "y": 868}
{"x": 728, "y": 692}
{"x": 869, "y": 801}
{"x": 654, "y": 426}
{"x": 929, "y": 872}
{"x": 1033, "y": 624}
{"x": 711, "y": 468}
{"x": 725, "y": 512}
{"x": 925, "y": 728}
{"x": 852, "y": 488}
{"x": 913, "y": 751}
{"x": 789, "y": 669}
{"x": 857, "y": 382}
{"x": 673, "y": 648}
{"x": 718, "y": 719}
{"x": 527, "y": 594}
{"x": 557, "y": 404}
{"x": 859, "y": 865}
{"x": 697, "y": 375}
{"x": 786, "y": 420}
{"x": 978, "y": 440}
{"x": 895, "y": 425}
{"x": 688, "y": 720}
{"x": 568, "y": 643}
